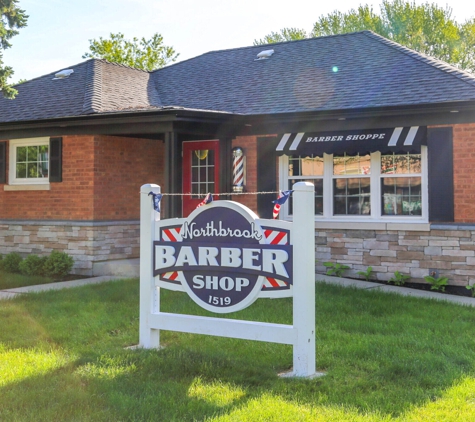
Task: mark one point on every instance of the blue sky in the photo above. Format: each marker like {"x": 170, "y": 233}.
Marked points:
{"x": 58, "y": 31}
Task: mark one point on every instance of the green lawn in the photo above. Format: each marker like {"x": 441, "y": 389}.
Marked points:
{"x": 11, "y": 281}
{"x": 387, "y": 358}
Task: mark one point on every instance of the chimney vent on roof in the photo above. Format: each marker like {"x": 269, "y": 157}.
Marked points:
{"x": 263, "y": 55}
{"x": 63, "y": 74}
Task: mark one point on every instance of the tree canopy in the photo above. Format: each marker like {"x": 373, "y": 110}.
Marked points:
{"x": 12, "y": 19}
{"x": 141, "y": 54}
{"x": 426, "y": 28}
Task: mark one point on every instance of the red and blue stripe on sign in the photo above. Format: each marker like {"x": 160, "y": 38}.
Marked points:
{"x": 171, "y": 234}
{"x": 275, "y": 237}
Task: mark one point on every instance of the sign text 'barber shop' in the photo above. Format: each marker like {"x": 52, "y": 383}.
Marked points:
{"x": 222, "y": 257}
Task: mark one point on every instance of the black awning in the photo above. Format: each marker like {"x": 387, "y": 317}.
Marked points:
{"x": 351, "y": 142}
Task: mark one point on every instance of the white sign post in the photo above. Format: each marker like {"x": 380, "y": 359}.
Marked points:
{"x": 225, "y": 257}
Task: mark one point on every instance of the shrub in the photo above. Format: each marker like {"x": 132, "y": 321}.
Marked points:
{"x": 11, "y": 262}
{"x": 32, "y": 265}
{"x": 366, "y": 274}
{"x": 335, "y": 269}
{"x": 58, "y": 264}
{"x": 399, "y": 279}
{"x": 437, "y": 283}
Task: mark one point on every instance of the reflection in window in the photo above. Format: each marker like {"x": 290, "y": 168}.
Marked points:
{"x": 401, "y": 196}
{"x": 401, "y": 164}
{"x": 305, "y": 166}
{"x": 348, "y": 165}
{"x": 31, "y": 162}
{"x": 307, "y": 169}
{"x": 318, "y": 183}
{"x": 400, "y": 191}
{"x": 351, "y": 196}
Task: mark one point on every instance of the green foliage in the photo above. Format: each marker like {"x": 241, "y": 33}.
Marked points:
{"x": 437, "y": 283}
{"x": 58, "y": 264}
{"x": 366, "y": 274}
{"x": 472, "y": 289}
{"x": 12, "y": 18}
{"x": 335, "y": 269}
{"x": 11, "y": 262}
{"x": 32, "y": 265}
{"x": 286, "y": 34}
{"x": 141, "y": 54}
{"x": 399, "y": 279}
{"x": 426, "y": 28}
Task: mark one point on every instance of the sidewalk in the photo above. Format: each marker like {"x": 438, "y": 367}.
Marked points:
{"x": 11, "y": 293}
{"x": 346, "y": 282}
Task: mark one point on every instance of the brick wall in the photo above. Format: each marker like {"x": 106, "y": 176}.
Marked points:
{"x": 72, "y": 199}
{"x": 464, "y": 181}
{"x": 121, "y": 166}
{"x": 102, "y": 176}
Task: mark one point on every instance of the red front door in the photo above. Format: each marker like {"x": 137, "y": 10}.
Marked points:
{"x": 200, "y": 172}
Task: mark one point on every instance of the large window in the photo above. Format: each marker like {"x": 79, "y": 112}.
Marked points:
{"x": 307, "y": 169}
{"x": 29, "y": 161}
{"x": 351, "y": 185}
{"x": 401, "y": 184}
{"x": 366, "y": 187}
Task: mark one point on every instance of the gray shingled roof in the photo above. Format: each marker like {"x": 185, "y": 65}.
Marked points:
{"x": 372, "y": 72}
{"x": 96, "y": 86}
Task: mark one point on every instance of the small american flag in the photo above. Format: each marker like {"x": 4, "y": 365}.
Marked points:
{"x": 207, "y": 200}
{"x": 283, "y": 196}
{"x": 157, "y": 197}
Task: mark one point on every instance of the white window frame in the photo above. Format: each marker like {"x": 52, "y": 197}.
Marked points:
{"x": 375, "y": 188}
{"x": 13, "y": 145}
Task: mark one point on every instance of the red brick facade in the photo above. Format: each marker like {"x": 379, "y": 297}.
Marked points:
{"x": 100, "y": 175}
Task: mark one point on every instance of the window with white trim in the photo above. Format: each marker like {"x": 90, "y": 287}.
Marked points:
{"x": 29, "y": 161}
{"x": 367, "y": 187}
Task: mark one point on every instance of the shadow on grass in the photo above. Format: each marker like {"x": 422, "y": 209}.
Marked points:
{"x": 383, "y": 355}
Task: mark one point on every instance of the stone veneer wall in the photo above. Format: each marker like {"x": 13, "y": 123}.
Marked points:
{"x": 86, "y": 242}
{"x": 449, "y": 249}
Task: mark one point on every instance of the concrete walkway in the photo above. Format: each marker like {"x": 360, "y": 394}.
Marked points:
{"x": 11, "y": 293}
{"x": 346, "y": 282}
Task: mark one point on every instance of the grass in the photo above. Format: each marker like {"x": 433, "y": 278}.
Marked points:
{"x": 387, "y": 358}
{"x": 11, "y": 281}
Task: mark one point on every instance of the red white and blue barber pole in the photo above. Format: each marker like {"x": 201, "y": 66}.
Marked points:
{"x": 225, "y": 257}
{"x": 238, "y": 170}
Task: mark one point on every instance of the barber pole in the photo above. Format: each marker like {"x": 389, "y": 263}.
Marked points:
{"x": 238, "y": 170}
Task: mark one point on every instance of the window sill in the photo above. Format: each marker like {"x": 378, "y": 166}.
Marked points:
{"x": 366, "y": 225}
{"x": 42, "y": 186}
{"x": 414, "y": 225}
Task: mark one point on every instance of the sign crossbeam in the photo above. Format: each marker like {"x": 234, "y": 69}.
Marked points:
{"x": 231, "y": 328}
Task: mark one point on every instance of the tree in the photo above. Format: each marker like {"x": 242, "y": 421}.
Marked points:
{"x": 141, "y": 54}
{"x": 12, "y": 19}
{"x": 426, "y": 28}
{"x": 286, "y": 34}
